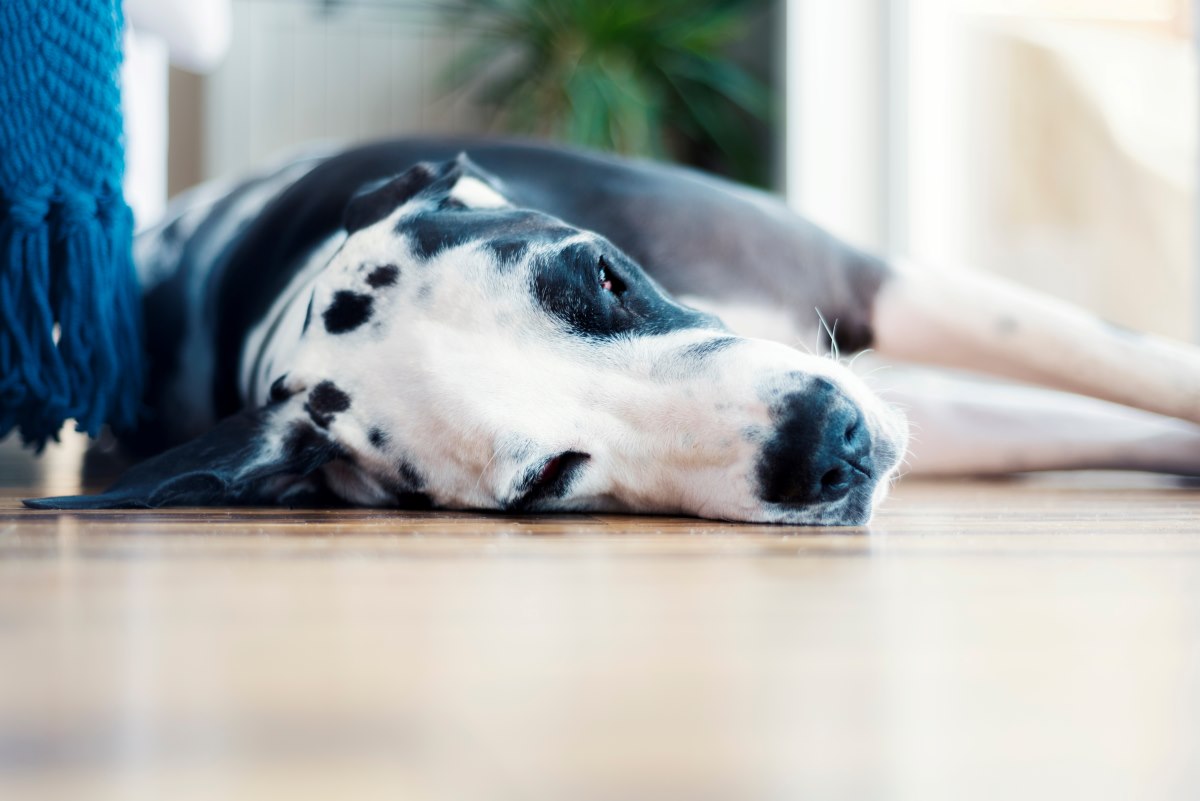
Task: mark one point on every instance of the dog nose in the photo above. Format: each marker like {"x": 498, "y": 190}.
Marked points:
{"x": 820, "y": 451}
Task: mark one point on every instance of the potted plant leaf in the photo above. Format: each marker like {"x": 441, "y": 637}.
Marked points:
{"x": 639, "y": 77}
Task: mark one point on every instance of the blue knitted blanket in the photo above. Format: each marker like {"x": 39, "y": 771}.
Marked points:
{"x": 70, "y": 327}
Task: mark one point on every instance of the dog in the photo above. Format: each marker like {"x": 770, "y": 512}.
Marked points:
{"x": 515, "y": 326}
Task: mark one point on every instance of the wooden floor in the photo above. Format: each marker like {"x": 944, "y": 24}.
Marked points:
{"x": 1021, "y": 639}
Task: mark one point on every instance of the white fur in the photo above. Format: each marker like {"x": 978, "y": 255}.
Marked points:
{"x": 475, "y": 194}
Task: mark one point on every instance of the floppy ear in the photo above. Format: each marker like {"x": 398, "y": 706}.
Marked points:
{"x": 433, "y": 180}
{"x": 239, "y": 462}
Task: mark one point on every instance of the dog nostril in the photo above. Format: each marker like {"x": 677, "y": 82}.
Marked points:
{"x": 835, "y": 480}
{"x": 820, "y": 451}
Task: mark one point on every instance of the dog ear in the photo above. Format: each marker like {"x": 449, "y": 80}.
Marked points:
{"x": 435, "y": 181}
{"x": 375, "y": 203}
{"x": 244, "y": 460}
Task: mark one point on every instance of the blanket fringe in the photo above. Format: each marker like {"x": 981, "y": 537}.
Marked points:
{"x": 71, "y": 346}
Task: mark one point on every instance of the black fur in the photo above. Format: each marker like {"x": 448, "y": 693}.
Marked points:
{"x": 368, "y": 208}
{"x": 707, "y": 348}
{"x": 383, "y": 275}
{"x": 324, "y": 402}
{"x": 567, "y": 285}
{"x": 503, "y": 230}
{"x": 279, "y": 391}
{"x": 347, "y": 312}
{"x": 223, "y": 467}
{"x": 509, "y": 250}
{"x": 413, "y": 480}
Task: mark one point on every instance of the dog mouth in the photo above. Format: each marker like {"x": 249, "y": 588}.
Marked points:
{"x": 549, "y": 479}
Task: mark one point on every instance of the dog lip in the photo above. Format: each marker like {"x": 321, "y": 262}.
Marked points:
{"x": 548, "y": 479}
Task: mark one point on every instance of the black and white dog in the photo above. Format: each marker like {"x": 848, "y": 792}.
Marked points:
{"x": 401, "y": 325}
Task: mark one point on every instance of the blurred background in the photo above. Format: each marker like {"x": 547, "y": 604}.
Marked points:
{"x": 1050, "y": 141}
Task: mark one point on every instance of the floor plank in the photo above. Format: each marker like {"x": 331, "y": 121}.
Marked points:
{"x": 1032, "y": 638}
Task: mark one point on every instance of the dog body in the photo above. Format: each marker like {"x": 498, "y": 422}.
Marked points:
{"x": 213, "y": 271}
{"x": 400, "y": 324}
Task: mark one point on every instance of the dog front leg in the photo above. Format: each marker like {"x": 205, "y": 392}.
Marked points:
{"x": 975, "y": 322}
{"x": 967, "y": 426}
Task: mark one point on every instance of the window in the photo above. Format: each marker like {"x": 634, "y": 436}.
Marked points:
{"x": 1049, "y": 141}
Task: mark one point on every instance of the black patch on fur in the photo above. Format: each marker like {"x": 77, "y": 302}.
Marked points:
{"x": 429, "y": 237}
{"x": 431, "y": 233}
{"x": 348, "y": 311}
{"x": 451, "y": 204}
{"x": 324, "y": 402}
{"x": 412, "y": 479}
{"x": 302, "y": 440}
{"x": 279, "y": 392}
{"x": 702, "y": 350}
{"x": 567, "y": 285}
{"x": 383, "y": 275}
{"x": 377, "y": 436}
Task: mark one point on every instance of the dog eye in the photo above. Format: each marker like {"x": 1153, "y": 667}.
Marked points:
{"x": 609, "y": 281}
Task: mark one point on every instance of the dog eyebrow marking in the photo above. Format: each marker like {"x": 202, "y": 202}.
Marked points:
{"x": 348, "y": 311}
{"x": 383, "y": 275}
{"x": 702, "y": 350}
{"x": 324, "y": 402}
{"x": 689, "y": 359}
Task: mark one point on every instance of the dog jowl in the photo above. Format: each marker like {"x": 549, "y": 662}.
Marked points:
{"x": 448, "y": 348}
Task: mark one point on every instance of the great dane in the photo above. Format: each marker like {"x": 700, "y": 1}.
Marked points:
{"x": 522, "y": 327}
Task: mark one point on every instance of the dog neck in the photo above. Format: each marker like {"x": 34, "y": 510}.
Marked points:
{"x": 273, "y": 342}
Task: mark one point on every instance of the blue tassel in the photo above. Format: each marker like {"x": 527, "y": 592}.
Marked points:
{"x": 71, "y": 343}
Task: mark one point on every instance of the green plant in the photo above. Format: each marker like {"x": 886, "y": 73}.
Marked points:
{"x": 641, "y": 77}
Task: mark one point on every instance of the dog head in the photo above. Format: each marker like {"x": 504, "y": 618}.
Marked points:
{"x": 455, "y": 350}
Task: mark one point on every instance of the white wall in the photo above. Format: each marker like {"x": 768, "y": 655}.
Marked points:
{"x": 297, "y": 74}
